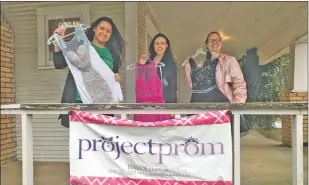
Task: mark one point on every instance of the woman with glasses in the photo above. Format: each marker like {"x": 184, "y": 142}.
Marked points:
{"x": 218, "y": 79}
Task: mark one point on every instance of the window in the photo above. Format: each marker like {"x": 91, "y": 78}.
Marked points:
{"x": 52, "y": 25}
{"x": 47, "y": 22}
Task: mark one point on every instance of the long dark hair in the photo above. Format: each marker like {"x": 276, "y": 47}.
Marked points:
{"x": 115, "y": 44}
{"x": 168, "y": 57}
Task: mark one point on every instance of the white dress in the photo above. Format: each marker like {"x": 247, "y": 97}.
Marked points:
{"x": 95, "y": 81}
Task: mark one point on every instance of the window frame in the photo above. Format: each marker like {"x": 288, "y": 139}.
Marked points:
{"x": 45, "y": 14}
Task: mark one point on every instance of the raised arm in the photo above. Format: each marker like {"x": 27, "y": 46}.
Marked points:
{"x": 188, "y": 74}
{"x": 59, "y": 60}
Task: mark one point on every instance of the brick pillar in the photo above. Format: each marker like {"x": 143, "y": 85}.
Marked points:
{"x": 7, "y": 131}
{"x": 287, "y": 120}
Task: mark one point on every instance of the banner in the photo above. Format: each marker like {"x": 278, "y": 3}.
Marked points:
{"x": 193, "y": 150}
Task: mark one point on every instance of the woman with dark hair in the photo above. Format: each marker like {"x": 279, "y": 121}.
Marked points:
{"x": 107, "y": 41}
{"x": 220, "y": 78}
{"x": 160, "y": 82}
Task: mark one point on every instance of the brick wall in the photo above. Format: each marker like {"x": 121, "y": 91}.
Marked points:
{"x": 7, "y": 131}
{"x": 287, "y": 120}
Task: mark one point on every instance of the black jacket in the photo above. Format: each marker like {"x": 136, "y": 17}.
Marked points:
{"x": 69, "y": 91}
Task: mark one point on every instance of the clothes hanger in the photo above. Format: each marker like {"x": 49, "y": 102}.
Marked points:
{"x": 64, "y": 25}
{"x": 132, "y": 66}
{"x": 198, "y": 52}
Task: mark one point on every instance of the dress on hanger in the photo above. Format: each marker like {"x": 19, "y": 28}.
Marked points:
{"x": 204, "y": 87}
{"x": 94, "y": 80}
{"x": 148, "y": 89}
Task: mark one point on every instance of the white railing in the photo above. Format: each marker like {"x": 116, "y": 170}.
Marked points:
{"x": 297, "y": 110}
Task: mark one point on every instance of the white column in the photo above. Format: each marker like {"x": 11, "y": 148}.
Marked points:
{"x": 27, "y": 149}
{"x": 297, "y": 146}
{"x": 236, "y": 150}
{"x": 300, "y": 67}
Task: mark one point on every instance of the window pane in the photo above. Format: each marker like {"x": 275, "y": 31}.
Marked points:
{"x": 53, "y": 24}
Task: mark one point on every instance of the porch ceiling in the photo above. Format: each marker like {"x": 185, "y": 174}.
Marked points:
{"x": 268, "y": 26}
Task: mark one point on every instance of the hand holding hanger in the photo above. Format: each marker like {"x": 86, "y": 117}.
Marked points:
{"x": 143, "y": 59}
{"x": 133, "y": 66}
{"x": 198, "y": 51}
{"x": 60, "y": 30}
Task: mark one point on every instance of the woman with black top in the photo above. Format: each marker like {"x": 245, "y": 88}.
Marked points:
{"x": 160, "y": 51}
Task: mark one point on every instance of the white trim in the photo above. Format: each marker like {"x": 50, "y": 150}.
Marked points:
{"x": 236, "y": 149}
{"x": 27, "y": 149}
{"x": 300, "y": 71}
{"x": 299, "y": 91}
{"x": 266, "y": 111}
{"x": 297, "y": 150}
{"x": 10, "y": 106}
{"x": 46, "y": 13}
{"x": 302, "y": 39}
{"x": 46, "y": 67}
{"x": 60, "y": 10}
{"x": 275, "y": 56}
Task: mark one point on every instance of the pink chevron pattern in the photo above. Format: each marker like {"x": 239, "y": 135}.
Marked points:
{"x": 216, "y": 117}
{"x": 74, "y": 180}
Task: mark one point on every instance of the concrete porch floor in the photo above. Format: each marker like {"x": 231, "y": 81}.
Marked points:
{"x": 263, "y": 162}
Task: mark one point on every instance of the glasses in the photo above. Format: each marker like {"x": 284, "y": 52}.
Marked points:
{"x": 216, "y": 41}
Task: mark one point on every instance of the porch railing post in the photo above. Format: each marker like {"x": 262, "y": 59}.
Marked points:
{"x": 297, "y": 147}
{"x": 123, "y": 116}
{"x": 236, "y": 149}
{"x": 27, "y": 149}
